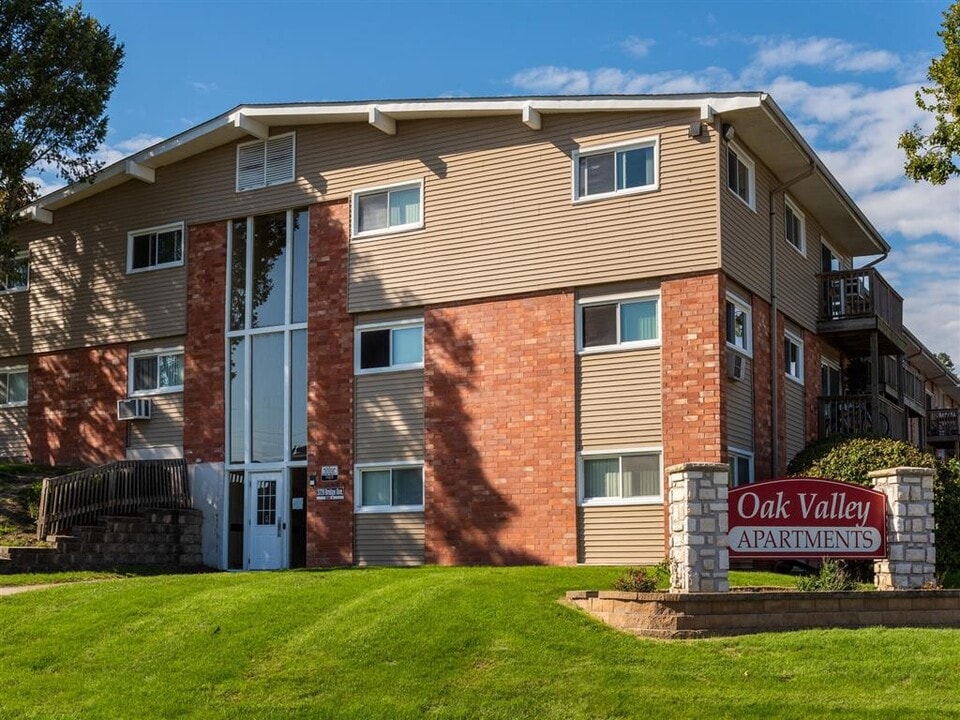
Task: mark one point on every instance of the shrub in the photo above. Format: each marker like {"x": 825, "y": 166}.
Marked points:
{"x": 832, "y": 577}
{"x": 637, "y": 580}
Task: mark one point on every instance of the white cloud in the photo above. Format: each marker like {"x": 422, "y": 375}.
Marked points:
{"x": 109, "y": 153}
{"x": 829, "y": 53}
{"x": 638, "y": 47}
{"x": 203, "y": 87}
{"x": 611, "y": 81}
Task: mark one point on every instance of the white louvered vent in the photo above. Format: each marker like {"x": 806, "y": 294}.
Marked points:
{"x": 265, "y": 162}
{"x": 280, "y": 159}
{"x": 250, "y": 164}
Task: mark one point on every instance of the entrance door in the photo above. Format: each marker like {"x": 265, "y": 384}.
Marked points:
{"x": 267, "y": 500}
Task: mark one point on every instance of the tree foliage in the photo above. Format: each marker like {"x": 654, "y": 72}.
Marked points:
{"x": 58, "y": 68}
{"x": 946, "y": 360}
{"x": 936, "y": 157}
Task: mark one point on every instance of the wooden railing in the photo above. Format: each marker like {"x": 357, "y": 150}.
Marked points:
{"x": 943, "y": 424}
{"x": 853, "y": 415}
{"x": 120, "y": 488}
{"x": 862, "y": 293}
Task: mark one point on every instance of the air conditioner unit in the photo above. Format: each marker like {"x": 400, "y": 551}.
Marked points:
{"x": 133, "y": 409}
{"x": 735, "y": 366}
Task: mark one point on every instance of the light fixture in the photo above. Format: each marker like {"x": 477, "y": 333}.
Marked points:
{"x": 728, "y": 131}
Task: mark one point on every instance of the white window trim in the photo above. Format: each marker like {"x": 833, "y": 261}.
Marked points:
{"x": 355, "y": 233}
{"x": 156, "y": 229}
{"x": 174, "y": 350}
{"x": 798, "y": 341}
{"x": 742, "y": 304}
{"x": 650, "y": 141}
{"x": 20, "y": 256}
{"x": 12, "y": 370}
{"x": 284, "y": 181}
{"x": 619, "y": 299}
{"x": 841, "y": 260}
{"x": 795, "y": 209}
{"x": 386, "y": 325}
{"x": 749, "y": 456}
{"x": 751, "y": 176}
{"x": 382, "y": 509}
{"x": 605, "y": 453}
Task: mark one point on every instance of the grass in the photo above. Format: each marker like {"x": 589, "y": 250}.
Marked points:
{"x": 430, "y": 642}
{"x": 19, "y": 500}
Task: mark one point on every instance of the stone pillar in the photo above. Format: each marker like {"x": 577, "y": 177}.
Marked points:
{"x": 699, "y": 559}
{"x": 911, "y": 556}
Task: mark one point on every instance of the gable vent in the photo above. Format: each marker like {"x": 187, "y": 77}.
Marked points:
{"x": 265, "y": 162}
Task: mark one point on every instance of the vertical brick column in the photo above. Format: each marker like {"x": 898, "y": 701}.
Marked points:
{"x": 330, "y": 383}
{"x": 762, "y": 426}
{"x": 812, "y": 380}
{"x": 699, "y": 558}
{"x": 911, "y": 555}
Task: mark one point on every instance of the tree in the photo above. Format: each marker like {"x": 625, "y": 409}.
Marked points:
{"x": 936, "y": 157}
{"x": 946, "y": 361}
{"x": 58, "y": 68}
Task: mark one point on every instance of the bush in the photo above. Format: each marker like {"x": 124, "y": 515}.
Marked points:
{"x": 832, "y": 577}
{"x": 637, "y": 580}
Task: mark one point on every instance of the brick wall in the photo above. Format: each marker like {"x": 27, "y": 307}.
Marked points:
{"x": 330, "y": 383}
{"x": 762, "y": 427}
{"x": 812, "y": 380}
{"x": 72, "y": 412}
{"x": 203, "y": 361}
{"x": 500, "y": 472}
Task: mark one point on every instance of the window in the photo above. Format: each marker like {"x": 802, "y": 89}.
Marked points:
{"x": 603, "y": 172}
{"x": 741, "y": 467}
{"x": 153, "y": 372}
{"x": 382, "y": 347}
{"x": 631, "y": 322}
{"x": 155, "y": 248}
{"x": 388, "y": 209}
{"x": 390, "y": 488}
{"x": 17, "y": 278}
{"x": 793, "y": 357}
{"x": 830, "y": 378}
{"x": 621, "y": 477}
{"x": 739, "y": 328}
{"x": 263, "y": 163}
{"x": 829, "y": 260}
{"x": 13, "y": 387}
{"x": 795, "y": 227}
{"x": 741, "y": 176}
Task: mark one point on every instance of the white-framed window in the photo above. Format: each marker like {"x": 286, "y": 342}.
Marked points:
{"x": 794, "y": 226}
{"x": 830, "y": 260}
{"x": 619, "y": 322}
{"x": 17, "y": 278}
{"x": 739, "y": 324}
{"x": 387, "y": 209}
{"x": 262, "y": 163}
{"x": 620, "y": 169}
{"x": 154, "y": 372}
{"x": 389, "y": 487}
{"x": 13, "y": 386}
{"x": 155, "y": 248}
{"x": 793, "y": 356}
{"x": 387, "y": 347}
{"x": 831, "y": 378}
{"x": 618, "y": 477}
{"x": 741, "y": 175}
{"x": 741, "y": 467}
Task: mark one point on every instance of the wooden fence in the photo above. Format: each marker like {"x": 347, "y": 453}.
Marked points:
{"x": 120, "y": 488}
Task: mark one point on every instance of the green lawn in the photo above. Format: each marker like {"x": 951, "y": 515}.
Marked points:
{"x": 430, "y": 642}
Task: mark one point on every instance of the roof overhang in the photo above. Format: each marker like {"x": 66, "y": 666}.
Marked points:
{"x": 933, "y": 370}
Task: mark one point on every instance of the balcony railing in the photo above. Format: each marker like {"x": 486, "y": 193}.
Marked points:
{"x": 857, "y": 294}
{"x": 853, "y": 415}
{"x": 943, "y": 424}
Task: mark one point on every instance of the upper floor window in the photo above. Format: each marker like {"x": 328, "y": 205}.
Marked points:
{"x": 829, "y": 259}
{"x": 156, "y": 371}
{"x": 739, "y": 326}
{"x": 386, "y": 488}
{"x": 741, "y": 175}
{"x": 13, "y": 387}
{"x": 154, "y": 248}
{"x": 388, "y": 209}
{"x": 620, "y": 323}
{"x": 621, "y": 477}
{"x": 614, "y": 170}
{"x": 262, "y": 163}
{"x": 795, "y": 227}
{"x": 741, "y": 467}
{"x": 793, "y": 356}
{"x": 17, "y": 278}
{"x": 389, "y": 346}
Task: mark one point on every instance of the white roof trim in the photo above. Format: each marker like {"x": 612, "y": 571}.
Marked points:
{"x": 530, "y": 117}
{"x": 383, "y": 123}
{"x": 140, "y": 172}
{"x": 244, "y": 122}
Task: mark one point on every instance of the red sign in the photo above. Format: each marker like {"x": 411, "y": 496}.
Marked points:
{"x": 807, "y": 518}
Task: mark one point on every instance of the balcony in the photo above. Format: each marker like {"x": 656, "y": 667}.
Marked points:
{"x": 943, "y": 427}
{"x": 853, "y": 415}
{"x": 853, "y": 304}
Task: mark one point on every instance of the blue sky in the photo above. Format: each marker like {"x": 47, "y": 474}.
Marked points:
{"x": 844, "y": 72}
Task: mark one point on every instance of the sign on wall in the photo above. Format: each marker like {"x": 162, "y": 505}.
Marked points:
{"x": 806, "y": 518}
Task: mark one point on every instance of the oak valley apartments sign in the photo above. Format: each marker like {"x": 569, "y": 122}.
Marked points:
{"x": 806, "y": 517}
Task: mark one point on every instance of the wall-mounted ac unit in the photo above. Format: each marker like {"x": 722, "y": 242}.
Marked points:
{"x": 133, "y": 409}
{"x": 735, "y": 366}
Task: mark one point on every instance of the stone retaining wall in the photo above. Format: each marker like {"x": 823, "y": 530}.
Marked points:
{"x": 697, "y": 615}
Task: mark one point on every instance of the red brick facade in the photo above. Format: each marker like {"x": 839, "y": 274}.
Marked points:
{"x": 330, "y": 383}
{"x": 500, "y": 420}
{"x": 762, "y": 426}
{"x": 812, "y": 380}
{"x": 72, "y": 413}
{"x": 203, "y": 353}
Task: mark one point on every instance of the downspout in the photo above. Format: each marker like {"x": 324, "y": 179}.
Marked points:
{"x": 775, "y": 370}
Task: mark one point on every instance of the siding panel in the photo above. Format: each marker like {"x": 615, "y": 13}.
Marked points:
{"x": 620, "y": 399}
{"x": 793, "y": 393}
{"x": 389, "y": 416}
{"x": 13, "y": 433}
{"x": 164, "y": 429}
{"x": 740, "y": 406}
{"x": 621, "y": 535}
{"x": 389, "y": 539}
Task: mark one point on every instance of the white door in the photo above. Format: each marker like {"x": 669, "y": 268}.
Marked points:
{"x": 266, "y": 520}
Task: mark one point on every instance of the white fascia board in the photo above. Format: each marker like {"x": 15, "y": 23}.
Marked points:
{"x": 140, "y": 172}
{"x": 531, "y": 117}
{"x": 382, "y": 122}
{"x": 258, "y": 129}
{"x": 37, "y": 214}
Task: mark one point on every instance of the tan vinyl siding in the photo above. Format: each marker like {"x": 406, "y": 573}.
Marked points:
{"x": 389, "y": 539}
{"x": 164, "y": 429}
{"x": 620, "y": 399}
{"x": 739, "y": 394}
{"x": 793, "y": 393}
{"x": 13, "y": 433}
{"x": 798, "y": 287}
{"x": 389, "y": 416}
{"x": 621, "y": 534}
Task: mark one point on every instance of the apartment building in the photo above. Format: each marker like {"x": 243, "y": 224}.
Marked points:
{"x": 469, "y": 331}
